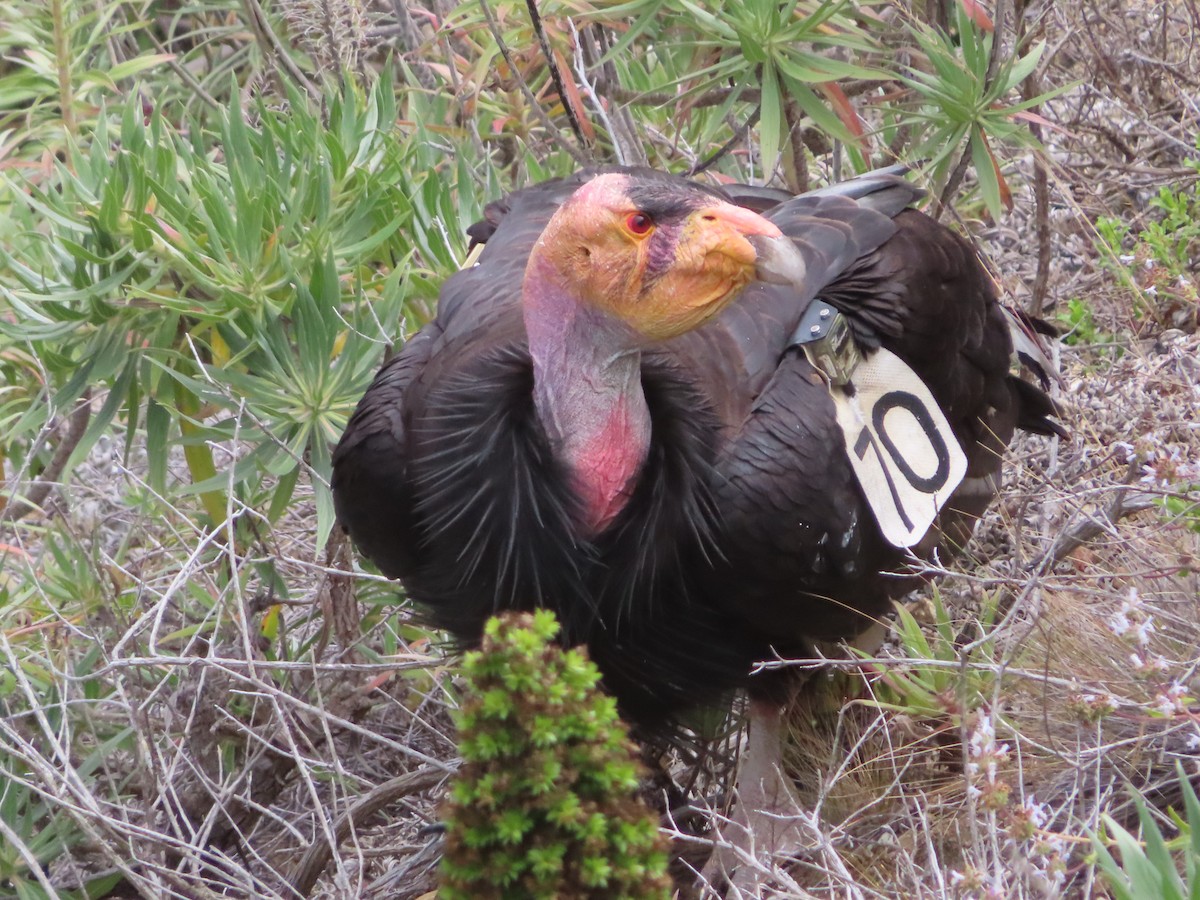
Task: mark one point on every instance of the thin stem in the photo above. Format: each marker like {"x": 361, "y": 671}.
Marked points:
{"x": 594, "y": 45}
{"x": 318, "y": 855}
{"x": 1000, "y": 14}
{"x": 954, "y": 180}
{"x": 77, "y": 424}
{"x": 1041, "y": 177}
{"x": 797, "y": 172}
{"x": 728, "y": 146}
{"x": 585, "y": 85}
{"x": 257, "y": 19}
{"x": 62, "y": 62}
{"x": 555, "y": 74}
{"x": 408, "y": 39}
{"x": 184, "y": 75}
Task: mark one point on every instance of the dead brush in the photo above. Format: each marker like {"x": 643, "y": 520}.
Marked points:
{"x": 335, "y": 33}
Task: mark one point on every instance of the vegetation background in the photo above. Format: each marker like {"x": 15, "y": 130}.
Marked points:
{"x": 218, "y": 216}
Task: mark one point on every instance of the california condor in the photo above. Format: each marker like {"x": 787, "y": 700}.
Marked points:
{"x": 617, "y": 413}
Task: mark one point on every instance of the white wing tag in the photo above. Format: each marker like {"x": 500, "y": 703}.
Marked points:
{"x": 900, "y": 445}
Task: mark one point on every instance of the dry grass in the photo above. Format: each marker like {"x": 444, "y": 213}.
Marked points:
{"x": 218, "y": 767}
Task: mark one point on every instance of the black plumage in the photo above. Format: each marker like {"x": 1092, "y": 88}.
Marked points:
{"x": 745, "y": 533}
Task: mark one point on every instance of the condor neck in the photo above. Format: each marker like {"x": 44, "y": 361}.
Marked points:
{"x": 587, "y": 391}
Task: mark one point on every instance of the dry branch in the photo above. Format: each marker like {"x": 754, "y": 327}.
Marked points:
{"x": 256, "y": 17}
{"x": 555, "y": 73}
{"x": 33, "y": 498}
{"x": 319, "y": 854}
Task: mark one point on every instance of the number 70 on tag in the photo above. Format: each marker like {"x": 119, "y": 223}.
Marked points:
{"x": 900, "y": 445}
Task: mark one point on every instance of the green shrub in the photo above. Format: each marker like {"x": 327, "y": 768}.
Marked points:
{"x": 1154, "y": 866}
{"x": 544, "y": 805}
{"x": 1157, "y": 260}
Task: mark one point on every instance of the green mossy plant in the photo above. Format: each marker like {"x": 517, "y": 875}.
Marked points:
{"x": 545, "y": 805}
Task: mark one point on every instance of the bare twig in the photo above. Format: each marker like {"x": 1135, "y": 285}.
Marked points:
{"x": 1125, "y": 502}
{"x": 1041, "y": 176}
{"x": 797, "y": 172}
{"x": 555, "y": 74}
{"x": 40, "y": 490}
{"x": 952, "y": 183}
{"x": 594, "y": 44}
{"x": 184, "y": 75}
{"x": 585, "y": 85}
{"x": 727, "y": 147}
{"x": 32, "y": 863}
{"x": 1041, "y": 199}
{"x": 408, "y": 39}
{"x": 269, "y": 41}
{"x": 999, "y": 15}
{"x": 317, "y": 857}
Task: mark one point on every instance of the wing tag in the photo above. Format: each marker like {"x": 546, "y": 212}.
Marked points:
{"x": 900, "y": 445}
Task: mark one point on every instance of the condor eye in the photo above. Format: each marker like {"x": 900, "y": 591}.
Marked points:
{"x": 639, "y": 223}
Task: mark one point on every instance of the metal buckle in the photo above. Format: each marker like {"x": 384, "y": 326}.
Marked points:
{"x": 828, "y": 342}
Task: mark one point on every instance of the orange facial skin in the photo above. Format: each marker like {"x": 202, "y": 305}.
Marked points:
{"x": 660, "y": 278}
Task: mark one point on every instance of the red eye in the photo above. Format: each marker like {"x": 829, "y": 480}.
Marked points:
{"x": 639, "y": 223}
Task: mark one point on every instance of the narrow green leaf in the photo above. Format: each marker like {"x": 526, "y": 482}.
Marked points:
{"x": 771, "y": 121}
{"x": 101, "y": 420}
{"x": 1024, "y": 66}
{"x": 198, "y": 455}
{"x": 985, "y": 171}
{"x": 158, "y": 423}
{"x": 322, "y": 467}
{"x": 1144, "y": 879}
{"x": 138, "y": 64}
{"x": 1157, "y": 852}
{"x": 1113, "y": 874}
{"x": 281, "y": 497}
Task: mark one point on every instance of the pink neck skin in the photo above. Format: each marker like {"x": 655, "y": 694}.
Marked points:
{"x": 587, "y": 391}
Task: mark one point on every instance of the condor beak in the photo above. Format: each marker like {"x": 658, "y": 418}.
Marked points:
{"x": 776, "y": 258}
{"x": 744, "y": 221}
{"x": 779, "y": 260}
{"x": 731, "y": 230}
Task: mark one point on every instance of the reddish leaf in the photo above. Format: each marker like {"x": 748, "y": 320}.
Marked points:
{"x": 374, "y": 684}
{"x": 574, "y": 97}
{"x": 416, "y": 10}
{"x": 1026, "y": 115}
{"x": 168, "y": 232}
{"x": 978, "y": 15}
{"x": 845, "y": 111}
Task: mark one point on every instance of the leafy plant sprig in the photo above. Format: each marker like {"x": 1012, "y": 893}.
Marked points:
{"x": 544, "y": 804}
